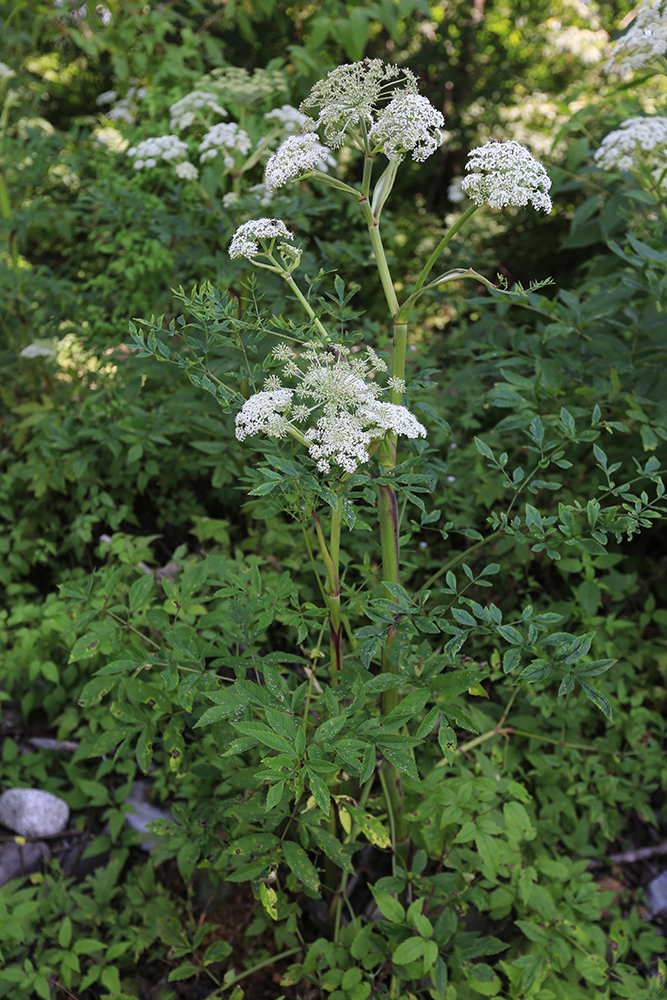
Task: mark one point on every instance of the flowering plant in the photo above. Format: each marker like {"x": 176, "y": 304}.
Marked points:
{"x": 344, "y": 450}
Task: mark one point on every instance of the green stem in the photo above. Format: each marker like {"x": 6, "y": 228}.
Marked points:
{"x": 262, "y": 965}
{"x": 289, "y": 280}
{"x": 380, "y": 256}
{"x": 392, "y": 786}
{"x": 426, "y": 270}
{"x": 453, "y": 562}
{"x": 332, "y": 595}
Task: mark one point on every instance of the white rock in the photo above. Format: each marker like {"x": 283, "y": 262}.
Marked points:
{"x": 656, "y": 895}
{"x": 33, "y": 813}
{"x": 21, "y": 859}
{"x": 143, "y": 812}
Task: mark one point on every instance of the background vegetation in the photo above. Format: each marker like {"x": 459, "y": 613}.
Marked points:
{"x": 119, "y": 494}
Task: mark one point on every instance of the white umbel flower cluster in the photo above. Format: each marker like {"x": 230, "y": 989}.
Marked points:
{"x": 639, "y": 141}
{"x": 226, "y": 138}
{"x": 183, "y": 113}
{"x": 6, "y": 71}
{"x": 645, "y": 40}
{"x": 161, "y": 147}
{"x": 264, "y": 413}
{"x": 289, "y": 119}
{"x": 349, "y": 95}
{"x": 245, "y": 240}
{"x": 186, "y": 171}
{"x": 408, "y": 124}
{"x": 125, "y": 109}
{"x": 341, "y": 388}
{"x": 296, "y": 156}
{"x": 506, "y": 173}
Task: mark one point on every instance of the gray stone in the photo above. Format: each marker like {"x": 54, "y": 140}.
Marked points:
{"x": 33, "y": 813}
{"x": 21, "y": 859}
{"x": 143, "y": 812}
{"x": 656, "y": 895}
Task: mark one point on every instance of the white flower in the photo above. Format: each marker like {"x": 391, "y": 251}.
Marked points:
{"x": 349, "y": 95}
{"x": 297, "y": 155}
{"x": 409, "y": 123}
{"x": 184, "y": 112}
{"x": 225, "y": 137}
{"x": 646, "y": 39}
{"x": 263, "y": 193}
{"x": 40, "y": 349}
{"x": 108, "y": 97}
{"x": 264, "y": 413}
{"x": 230, "y": 199}
{"x": 111, "y": 138}
{"x": 637, "y": 141}
{"x": 341, "y": 386}
{"x": 123, "y": 112}
{"x": 161, "y": 147}
{"x": 6, "y": 71}
{"x": 244, "y": 242}
{"x": 187, "y": 171}
{"x": 393, "y": 418}
{"x": 339, "y": 438}
{"x": 506, "y": 173}
{"x": 290, "y": 119}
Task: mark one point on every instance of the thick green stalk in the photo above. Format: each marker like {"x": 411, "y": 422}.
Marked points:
{"x": 330, "y": 555}
{"x": 380, "y": 257}
{"x": 389, "y": 525}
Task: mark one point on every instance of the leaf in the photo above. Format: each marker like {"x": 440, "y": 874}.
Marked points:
{"x": 333, "y": 848}
{"x": 598, "y": 699}
{"x": 409, "y": 951}
{"x": 400, "y": 759}
{"x": 439, "y": 978}
{"x": 389, "y": 906}
{"x": 65, "y": 933}
{"x": 217, "y": 952}
{"x": 139, "y": 591}
{"x": 144, "y": 748}
{"x": 100, "y": 744}
{"x": 517, "y": 821}
{"x": 95, "y": 690}
{"x": 274, "y": 795}
{"x": 184, "y": 971}
{"x": 269, "y": 900}
{"x": 261, "y": 732}
{"x": 297, "y": 859}
{"x": 447, "y": 742}
{"x": 319, "y": 790}
{"x": 484, "y": 449}
{"x": 371, "y": 827}
{"x": 89, "y": 644}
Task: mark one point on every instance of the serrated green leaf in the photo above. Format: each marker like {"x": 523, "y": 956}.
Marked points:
{"x": 409, "y": 951}
{"x": 297, "y": 859}
{"x": 598, "y": 699}
{"x": 139, "y": 591}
